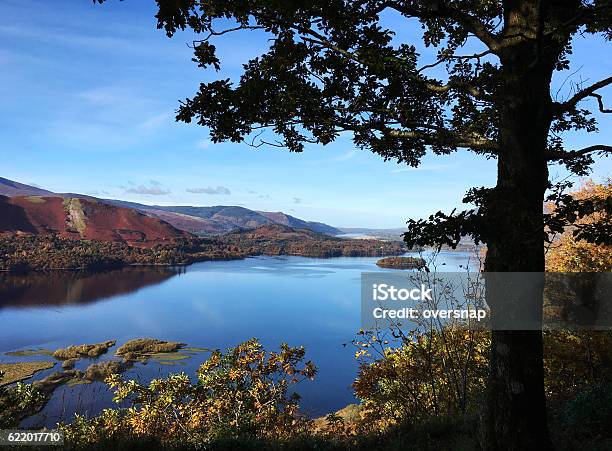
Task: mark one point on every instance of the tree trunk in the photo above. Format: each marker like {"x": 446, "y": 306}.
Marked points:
{"x": 516, "y": 405}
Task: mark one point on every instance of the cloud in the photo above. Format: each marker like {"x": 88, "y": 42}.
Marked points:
{"x": 346, "y": 156}
{"x": 203, "y": 144}
{"x": 153, "y": 190}
{"x": 297, "y": 200}
{"x": 432, "y": 167}
{"x": 155, "y": 121}
{"x": 103, "y": 96}
{"x": 210, "y": 190}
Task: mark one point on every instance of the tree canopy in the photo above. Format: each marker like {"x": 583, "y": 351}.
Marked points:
{"x": 337, "y": 66}
{"x": 333, "y": 66}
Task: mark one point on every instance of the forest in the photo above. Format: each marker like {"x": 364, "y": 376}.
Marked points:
{"x": 44, "y": 252}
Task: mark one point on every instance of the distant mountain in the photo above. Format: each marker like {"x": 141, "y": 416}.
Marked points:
{"x": 221, "y": 219}
{"x": 82, "y": 218}
{"x": 291, "y": 221}
{"x": 215, "y": 220}
{"x": 386, "y": 234}
{"x": 278, "y": 233}
{"x": 10, "y": 188}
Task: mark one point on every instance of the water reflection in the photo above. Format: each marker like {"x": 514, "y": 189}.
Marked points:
{"x": 64, "y": 288}
{"x": 214, "y": 305}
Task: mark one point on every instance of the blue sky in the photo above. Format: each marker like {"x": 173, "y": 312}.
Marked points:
{"x": 88, "y": 99}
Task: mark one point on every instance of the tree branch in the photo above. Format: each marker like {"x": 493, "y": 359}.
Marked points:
{"x": 448, "y": 137}
{"x": 569, "y": 154}
{"x": 455, "y": 57}
{"x": 584, "y": 14}
{"x": 587, "y": 92}
{"x": 442, "y": 11}
{"x": 600, "y": 103}
{"x": 439, "y": 88}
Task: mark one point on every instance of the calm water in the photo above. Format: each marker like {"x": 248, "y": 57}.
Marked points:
{"x": 216, "y": 305}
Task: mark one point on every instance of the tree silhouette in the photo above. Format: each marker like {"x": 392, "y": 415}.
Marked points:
{"x": 332, "y": 67}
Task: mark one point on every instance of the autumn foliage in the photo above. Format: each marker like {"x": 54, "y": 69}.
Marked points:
{"x": 244, "y": 392}
{"x": 570, "y": 254}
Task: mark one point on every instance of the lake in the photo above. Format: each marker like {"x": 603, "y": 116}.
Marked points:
{"x": 215, "y": 305}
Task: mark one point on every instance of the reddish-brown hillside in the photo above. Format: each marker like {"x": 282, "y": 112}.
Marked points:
{"x": 278, "y": 232}
{"x": 82, "y": 218}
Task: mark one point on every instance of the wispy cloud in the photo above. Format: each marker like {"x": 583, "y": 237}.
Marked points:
{"x": 110, "y": 117}
{"x": 346, "y": 155}
{"x": 154, "y": 189}
{"x": 297, "y": 200}
{"x": 210, "y": 190}
{"x": 83, "y": 40}
{"x": 432, "y": 168}
{"x": 204, "y": 144}
{"x": 103, "y": 95}
{"x": 155, "y": 121}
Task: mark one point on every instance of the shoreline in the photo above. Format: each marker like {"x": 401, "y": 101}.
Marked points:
{"x": 201, "y": 260}
{"x": 170, "y": 265}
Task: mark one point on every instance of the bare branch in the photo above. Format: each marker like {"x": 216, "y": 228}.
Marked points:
{"x": 455, "y": 57}
{"x": 570, "y": 154}
{"x": 449, "y": 137}
{"x": 600, "y": 103}
{"x": 562, "y": 107}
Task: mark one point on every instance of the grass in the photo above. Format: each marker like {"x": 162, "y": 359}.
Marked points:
{"x": 36, "y": 199}
{"x": 14, "y": 372}
{"x": 80, "y": 351}
{"x": 29, "y": 352}
{"x": 100, "y": 371}
{"x": 145, "y": 348}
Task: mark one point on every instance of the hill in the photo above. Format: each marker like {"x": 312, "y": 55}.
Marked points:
{"x": 24, "y": 252}
{"x": 279, "y": 233}
{"x": 296, "y": 223}
{"x": 215, "y": 220}
{"x": 11, "y": 188}
{"x": 277, "y": 239}
{"x": 220, "y": 219}
{"x": 80, "y": 218}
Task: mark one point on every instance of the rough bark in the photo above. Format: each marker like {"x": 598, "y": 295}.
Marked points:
{"x": 516, "y": 402}
{"x": 517, "y": 410}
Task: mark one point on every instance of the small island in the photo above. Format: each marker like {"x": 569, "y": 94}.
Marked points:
{"x": 401, "y": 262}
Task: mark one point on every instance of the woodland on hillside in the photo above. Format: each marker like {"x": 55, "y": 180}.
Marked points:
{"x": 39, "y": 252}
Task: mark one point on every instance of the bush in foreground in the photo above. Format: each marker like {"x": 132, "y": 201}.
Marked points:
{"x": 241, "y": 394}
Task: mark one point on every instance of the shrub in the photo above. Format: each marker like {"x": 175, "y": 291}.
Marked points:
{"x": 430, "y": 374}
{"x": 16, "y": 401}
{"x": 242, "y": 393}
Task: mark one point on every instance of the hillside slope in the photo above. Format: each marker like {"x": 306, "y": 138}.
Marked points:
{"x": 82, "y": 218}
{"x": 220, "y": 219}
{"x": 11, "y": 188}
{"x": 215, "y": 220}
{"x": 296, "y": 223}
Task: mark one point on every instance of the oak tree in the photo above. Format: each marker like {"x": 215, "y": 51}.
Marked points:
{"x": 334, "y": 67}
